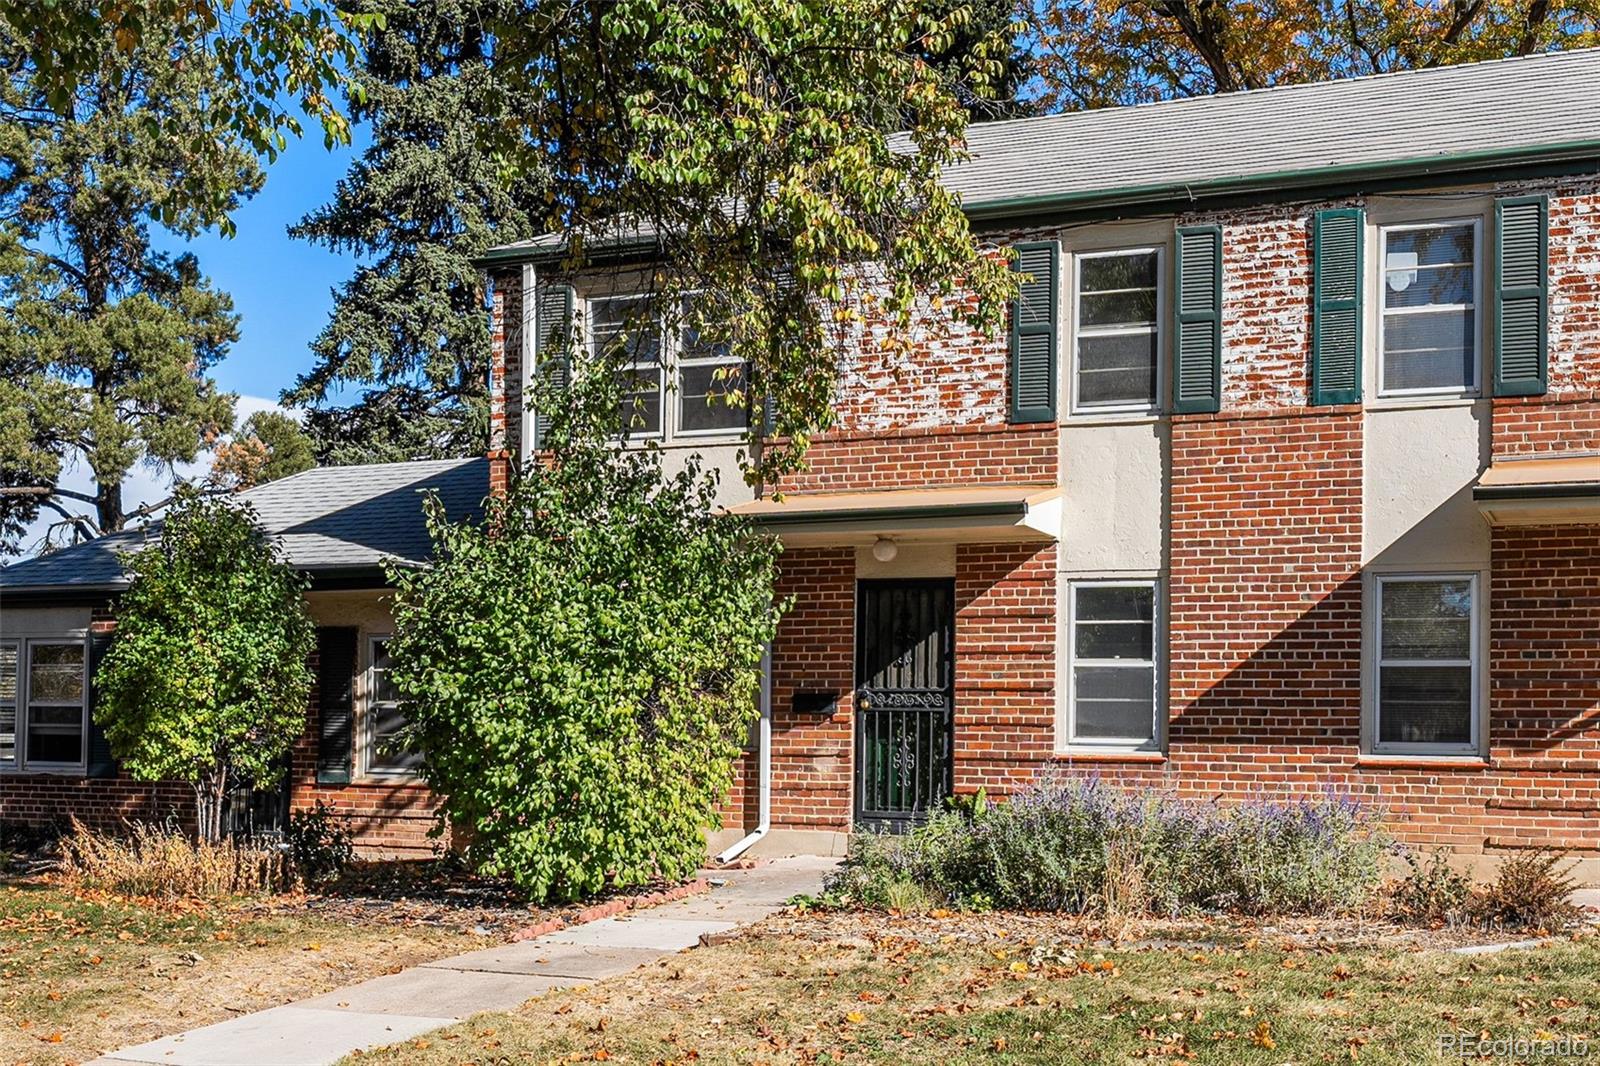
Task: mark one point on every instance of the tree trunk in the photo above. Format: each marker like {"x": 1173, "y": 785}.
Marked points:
{"x": 209, "y": 794}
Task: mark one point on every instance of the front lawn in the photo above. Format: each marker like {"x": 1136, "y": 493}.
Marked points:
{"x": 1000, "y": 988}
{"x": 82, "y": 976}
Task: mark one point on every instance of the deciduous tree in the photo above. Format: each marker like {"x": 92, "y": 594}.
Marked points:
{"x": 269, "y": 445}
{"x": 1095, "y": 53}
{"x": 206, "y": 680}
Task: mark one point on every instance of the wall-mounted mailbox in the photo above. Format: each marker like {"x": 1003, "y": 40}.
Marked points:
{"x": 815, "y": 702}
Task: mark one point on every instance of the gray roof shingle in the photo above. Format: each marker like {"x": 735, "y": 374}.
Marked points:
{"x": 1176, "y": 148}
{"x": 331, "y": 518}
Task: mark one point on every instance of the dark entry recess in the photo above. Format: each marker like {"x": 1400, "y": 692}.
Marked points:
{"x": 905, "y": 697}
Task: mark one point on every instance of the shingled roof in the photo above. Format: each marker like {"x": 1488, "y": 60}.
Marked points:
{"x": 1404, "y": 125}
{"x": 328, "y": 520}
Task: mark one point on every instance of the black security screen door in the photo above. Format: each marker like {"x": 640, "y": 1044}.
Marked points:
{"x": 905, "y": 683}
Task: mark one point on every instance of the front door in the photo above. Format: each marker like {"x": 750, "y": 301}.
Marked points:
{"x": 905, "y": 688}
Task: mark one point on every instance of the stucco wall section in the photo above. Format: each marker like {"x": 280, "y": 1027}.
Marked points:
{"x": 1113, "y": 479}
{"x": 1420, "y": 464}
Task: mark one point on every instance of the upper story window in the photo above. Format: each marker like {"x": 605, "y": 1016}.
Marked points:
{"x": 55, "y": 711}
{"x": 1117, "y": 301}
{"x": 387, "y": 750}
{"x": 1428, "y": 337}
{"x": 701, "y": 373}
{"x": 1112, "y": 644}
{"x": 624, "y": 328}
{"x": 1427, "y": 684}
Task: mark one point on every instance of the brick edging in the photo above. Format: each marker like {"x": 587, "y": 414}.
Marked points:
{"x": 612, "y": 908}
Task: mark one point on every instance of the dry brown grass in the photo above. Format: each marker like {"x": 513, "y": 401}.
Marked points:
{"x": 83, "y": 973}
{"x": 163, "y": 862}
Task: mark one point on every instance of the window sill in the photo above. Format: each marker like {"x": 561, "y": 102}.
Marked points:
{"x": 44, "y": 771}
{"x": 1109, "y": 755}
{"x": 1423, "y": 762}
{"x": 1418, "y": 403}
{"x": 1111, "y": 418}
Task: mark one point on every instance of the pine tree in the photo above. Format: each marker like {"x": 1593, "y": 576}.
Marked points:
{"x": 105, "y": 343}
{"x": 409, "y": 327}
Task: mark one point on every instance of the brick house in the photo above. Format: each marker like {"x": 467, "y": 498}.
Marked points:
{"x": 1285, "y": 478}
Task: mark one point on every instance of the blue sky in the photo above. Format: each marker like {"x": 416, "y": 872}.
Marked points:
{"x": 280, "y": 287}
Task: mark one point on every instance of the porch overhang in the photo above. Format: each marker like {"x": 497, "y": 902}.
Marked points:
{"x": 1544, "y": 491}
{"x": 984, "y": 513}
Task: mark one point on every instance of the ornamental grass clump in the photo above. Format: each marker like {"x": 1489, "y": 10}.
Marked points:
{"x": 162, "y": 861}
{"x": 1074, "y": 845}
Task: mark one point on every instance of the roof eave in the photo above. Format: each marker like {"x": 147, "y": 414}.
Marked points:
{"x": 1569, "y": 157}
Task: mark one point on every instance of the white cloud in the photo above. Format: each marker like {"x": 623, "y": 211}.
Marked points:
{"x": 144, "y": 484}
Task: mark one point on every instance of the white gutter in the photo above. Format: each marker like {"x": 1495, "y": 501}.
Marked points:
{"x": 764, "y": 760}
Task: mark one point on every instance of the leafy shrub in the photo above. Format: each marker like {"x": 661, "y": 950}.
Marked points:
{"x": 1530, "y": 891}
{"x": 1432, "y": 891}
{"x": 1075, "y": 845}
{"x": 163, "y": 862}
{"x": 320, "y": 843}
{"x": 582, "y": 669}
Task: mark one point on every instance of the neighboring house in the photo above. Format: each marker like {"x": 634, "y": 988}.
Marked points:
{"x": 336, "y": 524}
{"x": 1287, "y": 477}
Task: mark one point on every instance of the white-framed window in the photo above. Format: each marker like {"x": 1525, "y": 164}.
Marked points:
{"x": 1430, "y": 327}
{"x": 10, "y": 699}
{"x": 627, "y": 322}
{"x": 707, "y": 375}
{"x": 55, "y": 706}
{"x": 699, "y": 372}
{"x": 1427, "y": 683}
{"x": 1117, "y": 301}
{"x": 1113, "y": 647}
{"x": 386, "y": 750}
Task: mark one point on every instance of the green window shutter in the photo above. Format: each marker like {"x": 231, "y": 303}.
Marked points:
{"x": 1197, "y": 325}
{"x": 101, "y": 763}
{"x": 336, "y": 678}
{"x": 1521, "y": 295}
{"x": 552, "y": 324}
{"x": 1033, "y": 334}
{"x": 1338, "y": 239}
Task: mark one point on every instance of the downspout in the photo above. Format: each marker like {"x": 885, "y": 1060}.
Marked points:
{"x": 764, "y": 764}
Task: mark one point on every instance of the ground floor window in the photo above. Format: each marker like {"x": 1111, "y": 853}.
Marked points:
{"x": 56, "y": 711}
{"x": 9, "y": 691}
{"x": 387, "y": 749}
{"x": 1112, "y": 645}
{"x": 1428, "y": 668}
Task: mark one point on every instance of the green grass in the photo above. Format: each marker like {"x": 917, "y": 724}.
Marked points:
{"x": 877, "y": 999}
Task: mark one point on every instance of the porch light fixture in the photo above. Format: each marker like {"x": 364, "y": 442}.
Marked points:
{"x": 884, "y": 550}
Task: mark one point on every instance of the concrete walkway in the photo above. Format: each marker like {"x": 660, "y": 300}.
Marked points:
{"x": 400, "y": 1006}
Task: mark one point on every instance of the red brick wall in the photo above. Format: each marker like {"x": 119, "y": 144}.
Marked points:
{"x": 1548, "y": 425}
{"x": 505, "y": 363}
{"x": 1005, "y": 701}
{"x": 923, "y": 458}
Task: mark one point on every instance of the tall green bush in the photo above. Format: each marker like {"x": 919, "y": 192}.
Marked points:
{"x": 206, "y": 680}
{"x": 581, "y": 669}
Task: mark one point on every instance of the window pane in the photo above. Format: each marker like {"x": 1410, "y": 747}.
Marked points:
{"x": 8, "y": 702}
{"x": 1425, "y": 704}
{"x": 1136, "y": 270}
{"x": 383, "y": 690}
{"x": 623, "y": 329}
{"x": 1118, "y": 369}
{"x": 55, "y": 673}
{"x": 1133, "y": 308}
{"x": 1428, "y": 285}
{"x": 703, "y": 398}
{"x": 1113, "y": 702}
{"x": 1429, "y": 246}
{"x": 1427, "y": 619}
{"x": 641, "y": 402}
{"x": 1115, "y": 603}
{"x": 390, "y": 751}
{"x": 52, "y": 746}
{"x": 1431, "y": 349}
